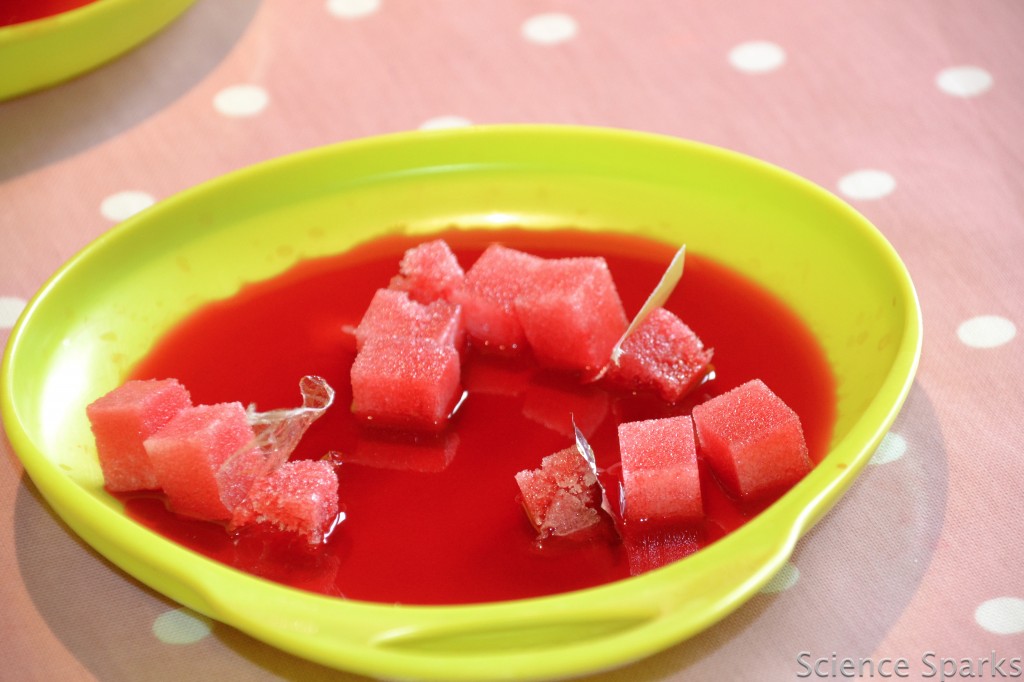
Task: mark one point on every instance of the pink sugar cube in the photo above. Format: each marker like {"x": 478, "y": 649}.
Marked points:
{"x": 393, "y": 313}
{"x": 122, "y": 419}
{"x": 562, "y": 496}
{"x": 752, "y": 440}
{"x": 300, "y": 497}
{"x": 488, "y": 295}
{"x": 429, "y": 272}
{"x": 571, "y": 313}
{"x": 663, "y": 355}
{"x": 188, "y": 452}
{"x": 660, "y": 478}
{"x": 405, "y": 382}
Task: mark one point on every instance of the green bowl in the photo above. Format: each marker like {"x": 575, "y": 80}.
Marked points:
{"x": 104, "y": 309}
{"x": 38, "y": 54}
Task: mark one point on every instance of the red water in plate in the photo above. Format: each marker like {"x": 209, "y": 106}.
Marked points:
{"x": 439, "y": 523}
{"x": 20, "y": 11}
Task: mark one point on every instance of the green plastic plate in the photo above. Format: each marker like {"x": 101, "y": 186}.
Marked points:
{"x": 38, "y": 54}
{"x": 104, "y": 309}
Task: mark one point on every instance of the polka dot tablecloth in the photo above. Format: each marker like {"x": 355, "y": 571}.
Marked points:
{"x": 912, "y": 111}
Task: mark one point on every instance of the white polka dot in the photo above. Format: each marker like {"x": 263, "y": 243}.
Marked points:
{"x": 892, "y": 447}
{"x": 964, "y": 81}
{"x": 867, "y": 184}
{"x": 757, "y": 56}
{"x": 352, "y": 9}
{"x": 180, "y": 626}
{"x": 10, "y": 310}
{"x": 445, "y": 122}
{"x": 783, "y": 580}
{"x": 1003, "y": 615}
{"x": 550, "y": 28}
{"x": 241, "y": 100}
{"x": 124, "y": 205}
{"x": 986, "y": 331}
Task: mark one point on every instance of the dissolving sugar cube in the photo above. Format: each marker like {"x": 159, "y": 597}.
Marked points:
{"x": 662, "y": 355}
{"x": 660, "y": 478}
{"x": 563, "y": 496}
{"x": 393, "y": 313}
{"x": 405, "y": 381}
{"x": 188, "y": 452}
{"x": 752, "y": 440}
{"x": 488, "y": 295}
{"x": 300, "y": 497}
{"x": 122, "y": 419}
{"x": 429, "y": 272}
{"x": 571, "y": 313}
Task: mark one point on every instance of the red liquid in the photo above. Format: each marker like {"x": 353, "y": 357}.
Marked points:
{"x": 445, "y": 534}
{"x": 20, "y": 11}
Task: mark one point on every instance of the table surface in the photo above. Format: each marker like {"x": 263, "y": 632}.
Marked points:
{"x": 911, "y": 111}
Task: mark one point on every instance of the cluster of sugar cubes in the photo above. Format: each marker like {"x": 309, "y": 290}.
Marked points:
{"x": 568, "y": 313}
{"x": 407, "y": 374}
{"x": 407, "y": 371}
{"x": 149, "y": 436}
{"x": 750, "y": 439}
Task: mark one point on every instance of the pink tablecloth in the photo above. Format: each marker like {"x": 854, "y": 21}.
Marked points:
{"x": 912, "y": 111}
